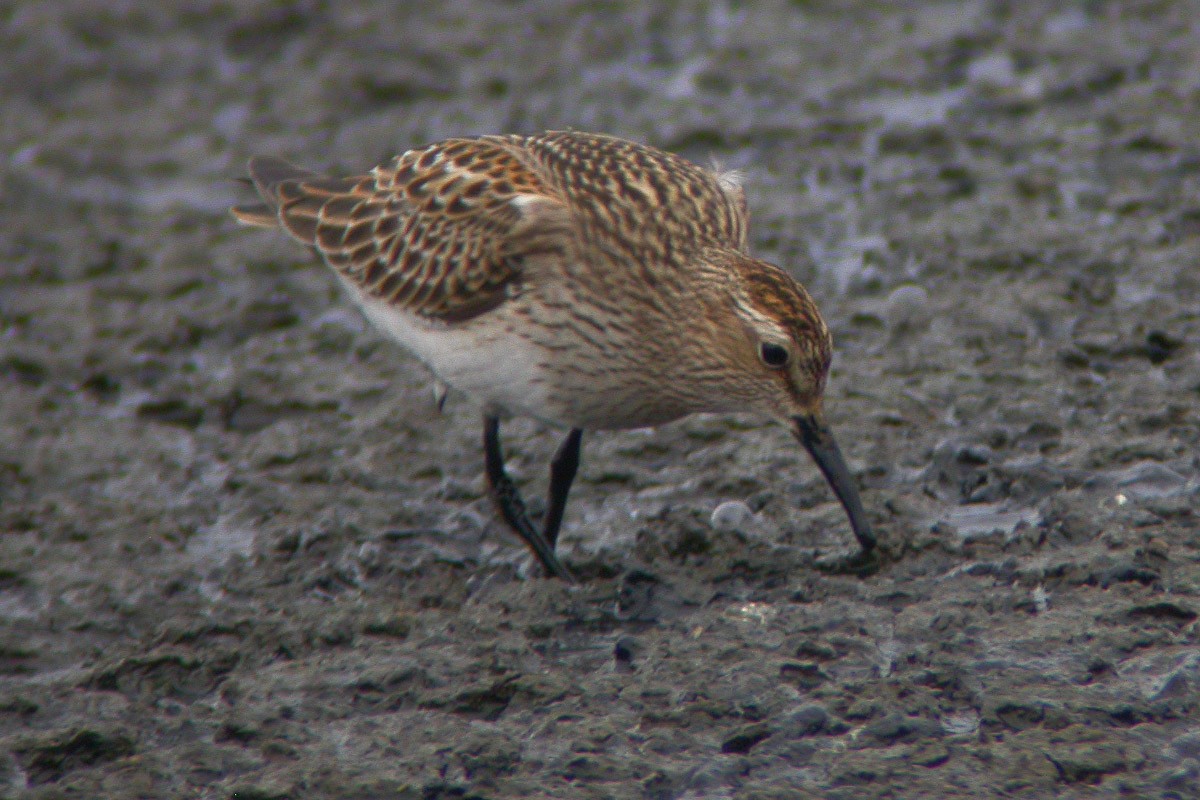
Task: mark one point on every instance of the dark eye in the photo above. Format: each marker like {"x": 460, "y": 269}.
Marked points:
{"x": 773, "y": 355}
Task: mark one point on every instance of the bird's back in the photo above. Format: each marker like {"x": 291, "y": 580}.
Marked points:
{"x": 641, "y": 198}
{"x": 442, "y": 231}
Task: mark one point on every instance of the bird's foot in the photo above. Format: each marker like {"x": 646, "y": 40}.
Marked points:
{"x": 860, "y": 563}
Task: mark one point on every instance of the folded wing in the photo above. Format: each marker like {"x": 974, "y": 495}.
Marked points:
{"x": 441, "y": 231}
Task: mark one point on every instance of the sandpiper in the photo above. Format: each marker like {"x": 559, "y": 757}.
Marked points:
{"x": 584, "y": 280}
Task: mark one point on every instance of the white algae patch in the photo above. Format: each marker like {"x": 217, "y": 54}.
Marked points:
{"x": 988, "y": 519}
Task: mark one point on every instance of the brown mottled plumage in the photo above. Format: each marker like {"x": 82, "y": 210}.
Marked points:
{"x": 581, "y": 279}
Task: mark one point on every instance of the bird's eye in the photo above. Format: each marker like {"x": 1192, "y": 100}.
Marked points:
{"x": 773, "y": 355}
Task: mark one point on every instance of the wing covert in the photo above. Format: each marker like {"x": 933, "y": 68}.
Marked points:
{"x": 439, "y": 231}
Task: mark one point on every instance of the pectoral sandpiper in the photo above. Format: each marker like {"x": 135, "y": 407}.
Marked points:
{"x": 580, "y": 279}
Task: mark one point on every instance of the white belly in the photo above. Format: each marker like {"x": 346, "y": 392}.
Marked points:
{"x": 481, "y": 357}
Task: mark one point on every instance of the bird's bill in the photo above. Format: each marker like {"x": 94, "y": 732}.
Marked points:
{"x": 818, "y": 440}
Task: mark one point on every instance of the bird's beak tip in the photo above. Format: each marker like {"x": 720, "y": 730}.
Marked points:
{"x": 818, "y": 440}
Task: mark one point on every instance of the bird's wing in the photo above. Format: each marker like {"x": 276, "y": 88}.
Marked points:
{"x": 440, "y": 231}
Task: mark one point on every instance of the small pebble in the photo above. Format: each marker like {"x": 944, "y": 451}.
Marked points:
{"x": 907, "y": 305}
{"x": 732, "y": 515}
{"x": 995, "y": 69}
{"x": 806, "y": 720}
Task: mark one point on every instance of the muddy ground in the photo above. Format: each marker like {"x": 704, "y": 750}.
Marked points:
{"x": 242, "y": 555}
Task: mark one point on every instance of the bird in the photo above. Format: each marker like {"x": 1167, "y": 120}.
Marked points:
{"x": 580, "y": 279}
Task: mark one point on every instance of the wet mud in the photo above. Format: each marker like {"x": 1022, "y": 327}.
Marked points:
{"x": 243, "y": 555}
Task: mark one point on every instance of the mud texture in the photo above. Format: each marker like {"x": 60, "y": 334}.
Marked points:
{"x": 243, "y": 556}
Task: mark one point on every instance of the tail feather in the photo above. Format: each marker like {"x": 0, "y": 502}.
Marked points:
{"x": 261, "y": 215}
{"x": 268, "y": 174}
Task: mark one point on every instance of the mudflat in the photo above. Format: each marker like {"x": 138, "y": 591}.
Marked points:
{"x": 242, "y": 554}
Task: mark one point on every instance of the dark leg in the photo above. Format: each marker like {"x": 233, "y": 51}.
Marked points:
{"x": 512, "y": 507}
{"x": 562, "y": 474}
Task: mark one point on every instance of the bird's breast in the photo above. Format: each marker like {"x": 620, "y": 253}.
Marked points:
{"x": 540, "y": 357}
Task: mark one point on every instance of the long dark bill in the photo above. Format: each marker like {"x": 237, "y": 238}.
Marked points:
{"x": 818, "y": 440}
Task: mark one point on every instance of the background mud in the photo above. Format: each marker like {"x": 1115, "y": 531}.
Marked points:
{"x": 241, "y": 555}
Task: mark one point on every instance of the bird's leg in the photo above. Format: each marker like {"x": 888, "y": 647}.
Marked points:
{"x": 512, "y": 507}
{"x": 562, "y": 474}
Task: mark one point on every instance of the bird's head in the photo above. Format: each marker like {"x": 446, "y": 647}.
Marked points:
{"x": 782, "y": 348}
{"x": 781, "y": 340}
